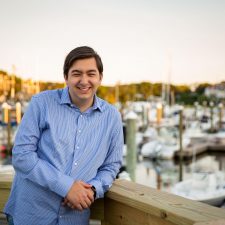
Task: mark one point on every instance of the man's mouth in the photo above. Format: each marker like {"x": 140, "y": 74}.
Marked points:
{"x": 84, "y": 89}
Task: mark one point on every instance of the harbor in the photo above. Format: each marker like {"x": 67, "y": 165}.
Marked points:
{"x": 184, "y": 157}
{"x": 200, "y": 166}
{"x": 113, "y": 106}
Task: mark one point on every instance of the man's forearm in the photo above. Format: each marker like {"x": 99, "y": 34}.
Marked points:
{"x": 39, "y": 171}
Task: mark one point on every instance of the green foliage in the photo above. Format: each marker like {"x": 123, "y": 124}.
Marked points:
{"x": 201, "y": 88}
{"x": 135, "y": 91}
{"x": 182, "y": 89}
{"x": 157, "y": 89}
{"x": 186, "y": 98}
{"x": 145, "y": 89}
{"x": 202, "y": 98}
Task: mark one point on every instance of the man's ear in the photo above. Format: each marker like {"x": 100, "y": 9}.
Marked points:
{"x": 101, "y": 76}
{"x": 66, "y": 79}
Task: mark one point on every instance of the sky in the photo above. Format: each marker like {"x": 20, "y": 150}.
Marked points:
{"x": 177, "y": 41}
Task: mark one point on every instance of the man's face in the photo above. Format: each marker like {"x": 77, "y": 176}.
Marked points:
{"x": 83, "y": 81}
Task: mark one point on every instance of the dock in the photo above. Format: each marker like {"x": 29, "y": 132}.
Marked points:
{"x": 129, "y": 203}
{"x": 201, "y": 148}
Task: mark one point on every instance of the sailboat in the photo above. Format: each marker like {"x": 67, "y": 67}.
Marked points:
{"x": 207, "y": 187}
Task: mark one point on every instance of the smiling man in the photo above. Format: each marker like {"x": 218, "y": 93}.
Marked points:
{"x": 68, "y": 149}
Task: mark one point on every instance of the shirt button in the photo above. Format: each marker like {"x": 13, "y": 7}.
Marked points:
{"x": 75, "y": 164}
{"x": 77, "y": 147}
{"x": 79, "y": 131}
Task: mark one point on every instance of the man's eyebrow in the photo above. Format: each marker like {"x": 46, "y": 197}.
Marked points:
{"x": 89, "y": 71}
{"x": 79, "y": 71}
{"x": 76, "y": 71}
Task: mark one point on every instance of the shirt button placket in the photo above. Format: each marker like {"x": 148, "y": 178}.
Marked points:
{"x": 79, "y": 130}
{"x": 78, "y": 137}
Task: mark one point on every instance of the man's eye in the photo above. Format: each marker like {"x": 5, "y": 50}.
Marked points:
{"x": 91, "y": 74}
{"x": 76, "y": 74}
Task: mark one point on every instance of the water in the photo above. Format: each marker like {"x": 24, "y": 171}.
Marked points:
{"x": 163, "y": 174}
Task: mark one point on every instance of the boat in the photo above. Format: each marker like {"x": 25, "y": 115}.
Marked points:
{"x": 163, "y": 146}
{"x": 206, "y": 187}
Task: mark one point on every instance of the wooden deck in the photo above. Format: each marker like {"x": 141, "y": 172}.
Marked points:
{"x": 128, "y": 203}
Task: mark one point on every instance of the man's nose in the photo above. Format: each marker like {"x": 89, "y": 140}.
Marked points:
{"x": 84, "y": 79}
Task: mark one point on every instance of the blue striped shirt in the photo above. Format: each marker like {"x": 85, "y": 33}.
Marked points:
{"x": 56, "y": 145}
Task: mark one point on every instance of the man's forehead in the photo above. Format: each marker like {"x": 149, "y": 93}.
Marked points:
{"x": 89, "y": 62}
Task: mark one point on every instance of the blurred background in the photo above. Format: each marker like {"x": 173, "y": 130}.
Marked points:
{"x": 164, "y": 69}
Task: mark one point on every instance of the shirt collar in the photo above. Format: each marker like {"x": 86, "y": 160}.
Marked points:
{"x": 65, "y": 99}
{"x": 97, "y": 103}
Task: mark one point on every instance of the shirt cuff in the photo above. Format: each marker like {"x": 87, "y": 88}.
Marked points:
{"x": 98, "y": 188}
{"x": 63, "y": 186}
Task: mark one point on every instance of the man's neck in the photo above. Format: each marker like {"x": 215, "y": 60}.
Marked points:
{"x": 83, "y": 105}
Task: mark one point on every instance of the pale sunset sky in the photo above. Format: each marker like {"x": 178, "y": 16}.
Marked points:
{"x": 139, "y": 40}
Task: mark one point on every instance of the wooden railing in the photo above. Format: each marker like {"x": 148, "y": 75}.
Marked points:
{"x": 129, "y": 203}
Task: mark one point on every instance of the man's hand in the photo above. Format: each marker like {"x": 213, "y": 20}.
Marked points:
{"x": 80, "y": 196}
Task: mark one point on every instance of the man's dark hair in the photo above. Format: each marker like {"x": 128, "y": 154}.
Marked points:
{"x": 82, "y": 52}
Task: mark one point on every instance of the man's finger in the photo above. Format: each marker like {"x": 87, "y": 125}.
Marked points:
{"x": 88, "y": 201}
{"x": 84, "y": 205}
{"x": 78, "y": 207}
{"x": 86, "y": 185}
{"x": 90, "y": 196}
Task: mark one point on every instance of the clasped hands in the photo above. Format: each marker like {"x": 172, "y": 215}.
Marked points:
{"x": 80, "y": 196}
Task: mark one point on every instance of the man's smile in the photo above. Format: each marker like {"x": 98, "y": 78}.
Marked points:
{"x": 84, "y": 89}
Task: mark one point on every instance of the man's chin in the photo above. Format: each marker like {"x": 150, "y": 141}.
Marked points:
{"x": 85, "y": 97}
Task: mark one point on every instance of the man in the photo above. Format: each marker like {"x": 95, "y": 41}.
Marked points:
{"x": 68, "y": 149}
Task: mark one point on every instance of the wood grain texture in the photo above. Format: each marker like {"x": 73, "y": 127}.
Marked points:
{"x": 121, "y": 214}
{"x": 168, "y": 207}
{"x": 217, "y": 222}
